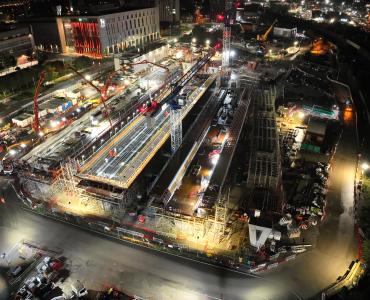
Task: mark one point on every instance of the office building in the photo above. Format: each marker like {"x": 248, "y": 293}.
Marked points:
{"x": 169, "y": 10}
{"x": 16, "y": 42}
{"x": 99, "y": 35}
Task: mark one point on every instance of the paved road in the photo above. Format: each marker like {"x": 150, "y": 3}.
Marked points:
{"x": 98, "y": 261}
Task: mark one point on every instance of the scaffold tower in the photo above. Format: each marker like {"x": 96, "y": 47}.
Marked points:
{"x": 176, "y": 128}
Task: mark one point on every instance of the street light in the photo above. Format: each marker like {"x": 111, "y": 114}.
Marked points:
{"x": 295, "y": 43}
{"x": 365, "y": 166}
{"x": 301, "y": 115}
{"x": 194, "y": 40}
{"x": 178, "y": 54}
{"x": 208, "y": 42}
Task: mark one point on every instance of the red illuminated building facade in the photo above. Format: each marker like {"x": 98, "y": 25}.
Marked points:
{"x": 102, "y": 35}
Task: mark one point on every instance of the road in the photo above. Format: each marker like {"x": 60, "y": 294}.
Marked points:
{"x": 99, "y": 261}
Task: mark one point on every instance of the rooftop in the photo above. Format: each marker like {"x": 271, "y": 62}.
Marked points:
{"x": 316, "y": 127}
{"x": 94, "y": 12}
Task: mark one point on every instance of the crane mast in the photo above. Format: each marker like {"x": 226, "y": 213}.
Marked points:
{"x": 36, "y": 120}
{"x": 226, "y": 37}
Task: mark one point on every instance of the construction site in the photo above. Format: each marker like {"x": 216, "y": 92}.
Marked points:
{"x": 177, "y": 146}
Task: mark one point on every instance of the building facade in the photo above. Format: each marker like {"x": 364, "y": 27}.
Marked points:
{"x": 169, "y": 10}
{"x": 109, "y": 33}
{"x": 45, "y": 33}
{"x": 285, "y": 32}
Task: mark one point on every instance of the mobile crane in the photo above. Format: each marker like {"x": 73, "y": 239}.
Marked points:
{"x": 102, "y": 91}
{"x": 263, "y": 38}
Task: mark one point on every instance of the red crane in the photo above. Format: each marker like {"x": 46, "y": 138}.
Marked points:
{"x": 36, "y": 120}
{"x": 102, "y": 91}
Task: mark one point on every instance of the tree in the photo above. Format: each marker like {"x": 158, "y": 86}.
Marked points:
{"x": 82, "y": 62}
{"x": 42, "y": 57}
{"x": 366, "y": 251}
{"x": 8, "y": 61}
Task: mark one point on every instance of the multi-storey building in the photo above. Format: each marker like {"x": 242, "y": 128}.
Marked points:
{"x": 16, "y": 42}
{"x": 108, "y": 33}
{"x": 169, "y": 10}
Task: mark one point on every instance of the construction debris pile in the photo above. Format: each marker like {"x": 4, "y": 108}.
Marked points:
{"x": 306, "y": 192}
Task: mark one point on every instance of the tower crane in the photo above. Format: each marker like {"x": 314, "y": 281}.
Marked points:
{"x": 226, "y": 36}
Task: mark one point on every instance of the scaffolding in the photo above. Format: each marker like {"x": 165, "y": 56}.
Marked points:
{"x": 176, "y": 129}
{"x": 264, "y": 169}
{"x": 206, "y": 234}
{"x": 66, "y": 186}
